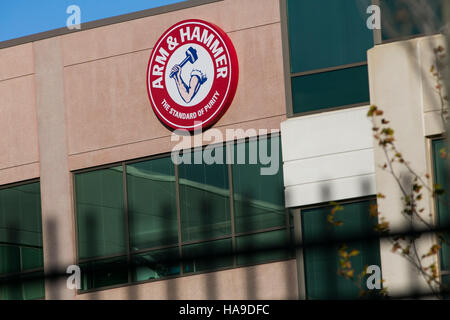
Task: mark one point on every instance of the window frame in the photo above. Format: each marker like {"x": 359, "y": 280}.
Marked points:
{"x": 288, "y": 76}
{"x": 434, "y": 208}
{"x": 180, "y": 244}
{"x": 298, "y": 234}
{"x": 32, "y": 271}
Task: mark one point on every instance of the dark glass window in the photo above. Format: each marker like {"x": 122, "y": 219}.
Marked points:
{"x": 330, "y": 89}
{"x": 156, "y": 264}
{"x": 208, "y": 255}
{"x": 104, "y": 273}
{"x": 167, "y": 210}
{"x": 328, "y": 43}
{"x": 23, "y": 286}
{"x": 258, "y": 199}
{"x": 442, "y": 202}
{"x": 327, "y": 33}
{"x": 322, "y": 241}
{"x": 204, "y": 200}
{"x": 21, "y": 253}
{"x": 263, "y": 247}
{"x": 100, "y": 213}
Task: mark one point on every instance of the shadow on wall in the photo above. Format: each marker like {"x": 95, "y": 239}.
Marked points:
{"x": 98, "y": 272}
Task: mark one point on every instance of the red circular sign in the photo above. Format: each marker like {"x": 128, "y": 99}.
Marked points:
{"x": 192, "y": 75}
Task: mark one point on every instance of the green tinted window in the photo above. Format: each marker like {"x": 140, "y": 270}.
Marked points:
{"x": 322, "y": 261}
{"x": 152, "y": 204}
{"x": 330, "y": 89}
{"x": 28, "y": 286}
{"x": 16, "y": 259}
{"x": 402, "y": 18}
{"x": 20, "y": 215}
{"x": 204, "y": 201}
{"x": 156, "y": 264}
{"x": 21, "y": 242}
{"x": 104, "y": 273}
{"x": 100, "y": 213}
{"x": 208, "y": 256}
{"x": 33, "y": 286}
{"x": 9, "y": 259}
{"x": 204, "y": 215}
{"x": 327, "y": 33}
{"x": 258, "y": 199}
{"x": 32, "y": 258}
{"x": 446, "y": 281}
{"x": 262, "y": 247}
{"x": 442, "y": 203}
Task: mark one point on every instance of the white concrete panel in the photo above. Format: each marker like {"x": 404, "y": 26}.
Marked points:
{"x": 432, "y": 123}
{"x": 426, "y": 58}
{"x": 329, "y": 167}
{"x": 326, "y": 133}
{"x": 328, "y": 156}
{"x": 332, "y": 190}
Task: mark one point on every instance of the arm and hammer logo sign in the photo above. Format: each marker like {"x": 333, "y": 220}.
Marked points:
{"x": 192, "y": 75}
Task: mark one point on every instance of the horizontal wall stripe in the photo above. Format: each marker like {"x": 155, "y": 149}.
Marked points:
{"x": 333, "y": 190}
{"x": 341, "y": 165}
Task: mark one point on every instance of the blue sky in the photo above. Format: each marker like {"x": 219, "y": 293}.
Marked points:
{"x": 20, "y": 18}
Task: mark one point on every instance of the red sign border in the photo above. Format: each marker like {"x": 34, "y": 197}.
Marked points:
{"x": 234, "y": 77}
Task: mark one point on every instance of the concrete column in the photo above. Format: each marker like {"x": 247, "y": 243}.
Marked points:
{"x": 398, "y": 88}
{"x": 56, "y": 185}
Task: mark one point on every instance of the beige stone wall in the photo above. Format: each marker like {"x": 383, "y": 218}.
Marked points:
{"x": 19, "y": 152}
{"x": 109, "y": 117}
{"x": 58, "y": 228}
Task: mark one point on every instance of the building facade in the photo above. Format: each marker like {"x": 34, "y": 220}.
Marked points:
{"x": 87, "y": 175}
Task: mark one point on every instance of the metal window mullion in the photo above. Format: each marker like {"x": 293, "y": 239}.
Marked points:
{"x": 301, "y": 283}
{"x": 329, "y": 69}
{"x": 191, "y": 242}
{"x": 156, "y": 248}
{"x": 288, "y": 233}
{"x": 101, "y": 258}
{"x": 127, "y": 229}
{"x": 230, "y": 185}
{"x": 178, "y": 203}
{"x": 257, "y": 231}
